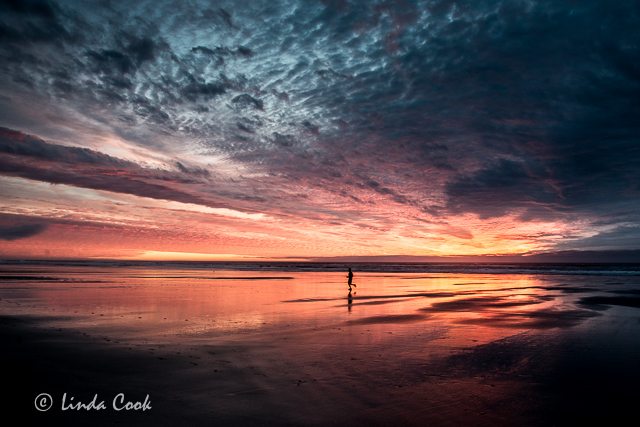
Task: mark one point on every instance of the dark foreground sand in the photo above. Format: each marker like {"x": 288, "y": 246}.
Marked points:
{"x": 460, "y": 358}
{"x": 522, "y": 380}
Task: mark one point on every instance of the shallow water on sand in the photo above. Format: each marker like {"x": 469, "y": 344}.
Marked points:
{"x": 415, "y": 347}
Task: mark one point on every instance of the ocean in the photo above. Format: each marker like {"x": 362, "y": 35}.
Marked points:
{"x": 622, "y": 269}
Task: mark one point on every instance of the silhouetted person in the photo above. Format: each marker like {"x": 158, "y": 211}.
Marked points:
{"x": 350, "y": 279}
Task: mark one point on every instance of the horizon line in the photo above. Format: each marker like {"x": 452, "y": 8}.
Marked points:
{"x": 621, "y": 256}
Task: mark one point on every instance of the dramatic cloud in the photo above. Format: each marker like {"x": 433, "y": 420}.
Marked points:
{"x": 435, "y": 126}
{"x": 17, "y": 227}
{"x": 28, "y": 157}
{"x": 20, "y": 231}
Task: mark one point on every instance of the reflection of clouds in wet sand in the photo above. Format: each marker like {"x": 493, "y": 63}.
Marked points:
{"x": 383, "y": 297}
{"x": 538, "y": 319}
{"x": 391, "y": 301}
{"x": 497, "y": 307}
{"x": 300, "y": 351}
{"x": 391, "y": 318}
{"x": 499, "y": 312}
{"x": 217, "y": 278}
{"x": 483, "y": 303}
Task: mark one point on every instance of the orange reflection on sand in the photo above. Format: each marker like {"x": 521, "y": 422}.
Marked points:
{"x": 173, "y": 305}
{"x": 405, "y": 342}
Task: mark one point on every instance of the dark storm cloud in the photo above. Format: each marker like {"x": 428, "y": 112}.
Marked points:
{"x": 17, "y": 144}
{"x": 621, "y": 237}
{"x": 501, "y": 187}
{"x": 22, "y": 231}
{"x": 449, "y": 107}
{"x": 563, "y": 135}
{"x": 205, "y": 91}
{"x": 134, "y": 52}
{"x": 30, "y": 21}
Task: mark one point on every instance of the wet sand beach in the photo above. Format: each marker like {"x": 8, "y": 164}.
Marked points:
{"x": 231, "y": 347}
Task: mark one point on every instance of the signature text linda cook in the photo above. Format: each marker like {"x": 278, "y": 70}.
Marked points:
{"x": 119, "y": 403}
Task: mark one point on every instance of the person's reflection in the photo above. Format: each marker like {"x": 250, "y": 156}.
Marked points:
{"x": 349, "y": 301}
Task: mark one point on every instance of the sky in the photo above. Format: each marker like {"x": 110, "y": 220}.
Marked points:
{"x": 231, "y": 130}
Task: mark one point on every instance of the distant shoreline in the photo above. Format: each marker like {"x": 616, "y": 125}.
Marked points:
{"x": 575, "y": 257}
{"x": 548, "y": 268}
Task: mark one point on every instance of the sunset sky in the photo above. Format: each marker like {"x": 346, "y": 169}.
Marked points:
{"x": 274, "y": 129}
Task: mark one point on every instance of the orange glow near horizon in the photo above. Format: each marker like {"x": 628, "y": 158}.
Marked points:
{"x": 86, "y": 223}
